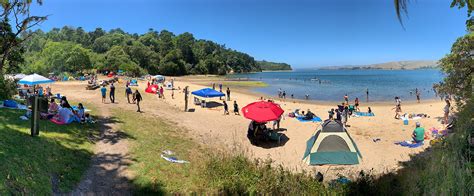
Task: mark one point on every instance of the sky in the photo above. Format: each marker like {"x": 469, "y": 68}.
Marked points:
{"x": 303, "y": 33}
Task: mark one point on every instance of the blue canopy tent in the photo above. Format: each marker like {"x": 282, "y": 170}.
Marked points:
{"x": 35, "y": 79}
{"x": 208, "y": 93}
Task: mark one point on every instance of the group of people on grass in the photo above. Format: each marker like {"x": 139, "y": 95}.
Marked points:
{"x": 64, "y": 113}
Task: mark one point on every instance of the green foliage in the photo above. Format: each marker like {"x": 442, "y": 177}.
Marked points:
{"x": 153, "y": 52}
{"x": 270, "y": 66}
{"x": 59, "y": 57}
{"x": 7, "y": 87}
{"x": 459, "y": 69}
{"x": 235, "y": 174}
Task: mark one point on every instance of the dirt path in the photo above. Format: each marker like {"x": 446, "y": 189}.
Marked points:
{"x": 108, "y": 173}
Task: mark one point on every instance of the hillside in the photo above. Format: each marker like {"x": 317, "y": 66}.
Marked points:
{"x": 272, "y": 66}
{"x": 396, "y": 65}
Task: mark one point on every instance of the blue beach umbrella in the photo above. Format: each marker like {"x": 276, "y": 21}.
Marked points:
{"x": 35, "y": 79}
{"x": 207, "y": 93}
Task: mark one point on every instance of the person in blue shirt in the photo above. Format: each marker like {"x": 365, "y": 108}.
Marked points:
{"x": 103, "y": 90}
{"x": 128, "y": 92}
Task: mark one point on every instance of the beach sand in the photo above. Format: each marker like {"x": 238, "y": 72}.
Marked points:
{"x": 229, "y": 132}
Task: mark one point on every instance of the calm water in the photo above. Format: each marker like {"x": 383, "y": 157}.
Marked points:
{"x": 383, "y": 85}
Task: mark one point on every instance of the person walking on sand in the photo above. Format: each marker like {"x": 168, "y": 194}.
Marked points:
{"x": 226, "y": 108}
{"x": 128, "y": 92}
{"x": 228, "y": 94}
{"x": 112, "y": 93}
{"x": 398, "y": 111}
{"x": 220, "y": 87}
{"x": 103, "y": 90}
{"x": 137, "y": 97}
{"x": 236, "y": 108}
{"x": 446, "y": 111}
{"x": 172, "y": 93}
{"x": 356, "y": 104}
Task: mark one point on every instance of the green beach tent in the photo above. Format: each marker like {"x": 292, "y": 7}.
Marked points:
{"x": 332, "y": 144}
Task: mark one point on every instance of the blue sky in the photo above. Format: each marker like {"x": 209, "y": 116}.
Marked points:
{"x": 304, "y": 33}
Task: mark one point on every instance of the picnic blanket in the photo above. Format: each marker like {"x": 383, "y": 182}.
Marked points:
{"x": 315, "y": 119}
{"x": 364, "y": 114}
{"x": 409, "y": 144}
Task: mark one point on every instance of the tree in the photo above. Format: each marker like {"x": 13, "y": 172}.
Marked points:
{"x": 459, "y": 67}
{"x": 165, "y": 42}
{"x": 19, "y": 11}
{"x": 184, "y": 43}
{"x": 60, "y": 57}
{"x": 172, "y": 64}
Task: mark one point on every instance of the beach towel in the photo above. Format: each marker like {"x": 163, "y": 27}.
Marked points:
{"x": 364, "y": 114}
{"x": 56, "y": 121}
{"x": 173, "y": 159}
{"x": 409, "y": 144}
{"x": 315, "y": 119}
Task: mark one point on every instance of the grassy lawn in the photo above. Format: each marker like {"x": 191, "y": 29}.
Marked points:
{"x": 153, "y": 173}
{"x": 31, "y": 165}
{"x": 208, "y": 172}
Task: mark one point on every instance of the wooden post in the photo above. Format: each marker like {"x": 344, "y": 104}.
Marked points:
{"x": 186, "y": 98}
{"x": 35, "y": 117}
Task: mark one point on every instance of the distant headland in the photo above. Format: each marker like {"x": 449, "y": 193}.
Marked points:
{"x": 395, "y": 65}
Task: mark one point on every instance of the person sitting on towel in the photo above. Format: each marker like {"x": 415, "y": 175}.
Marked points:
{"x": 418, "y": 134}
{"x": 309, "y": 115}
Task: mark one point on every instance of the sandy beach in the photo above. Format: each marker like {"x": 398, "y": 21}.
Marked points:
{"x": 228, "y": 132}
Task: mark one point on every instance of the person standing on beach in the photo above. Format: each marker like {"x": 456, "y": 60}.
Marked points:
{"x": 346, "y": 99}
{"x": 446, "y": 111}
{"x": 284, "y": 94}
{"x": 128, "y": 92}
{"x": 331, "y": 114}
{"x": 112, "y": 93}
{"x": 236, "y": 108}
{"x": 307, "y": 96}
{"x": 228, "y": 94}
{"x": 213, "y": 86}
{"x": 226, "y": 108}
{"x": 356, "y": 103}
{"x": 338, "y": 115}
{"x": 417, "y": 95}
{"x": 103, "y": 90}
{"x": 137, "y": 97}
{"x": 220, "y": 87}
{"x": 162, "y": 93}
{"x": 344, "y": 116}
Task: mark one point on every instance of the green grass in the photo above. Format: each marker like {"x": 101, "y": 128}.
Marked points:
{"x": 28, "y": 165}
{"x": 208, "y": 172}
{"x": 150, "y": 137}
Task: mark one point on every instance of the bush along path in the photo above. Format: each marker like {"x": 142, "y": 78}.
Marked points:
{"x": 108, "y": 173}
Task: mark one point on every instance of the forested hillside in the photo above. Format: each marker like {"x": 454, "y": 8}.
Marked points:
{"x": 271, "y": 66}
{"x": 74, "y": 50}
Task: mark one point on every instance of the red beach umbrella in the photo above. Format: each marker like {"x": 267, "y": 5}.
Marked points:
{"x": 262, "y": 111}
